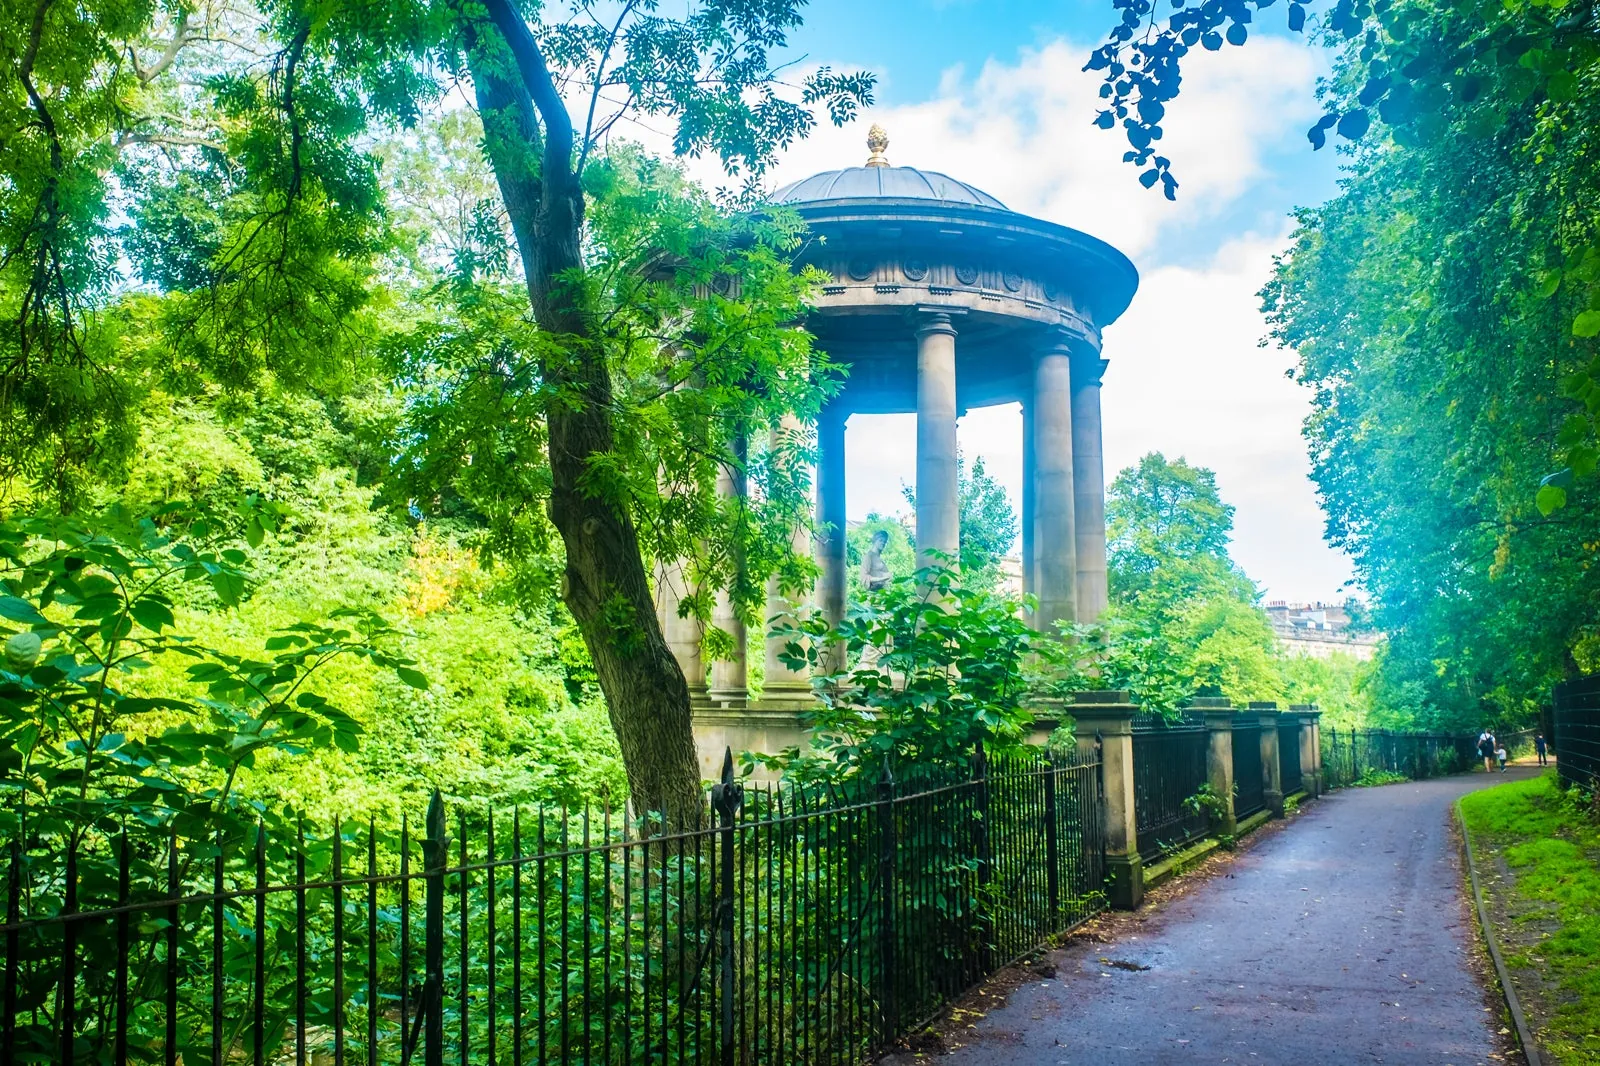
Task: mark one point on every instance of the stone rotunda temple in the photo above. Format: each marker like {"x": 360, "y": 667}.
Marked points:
{"x": 942, "y": 300}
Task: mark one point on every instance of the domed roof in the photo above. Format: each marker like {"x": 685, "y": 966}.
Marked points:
{"x": 900, "y": 183}
{"x": 879, "y": 180}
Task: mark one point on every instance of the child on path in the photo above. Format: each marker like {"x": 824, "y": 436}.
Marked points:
{"x": 1500, "y": 755}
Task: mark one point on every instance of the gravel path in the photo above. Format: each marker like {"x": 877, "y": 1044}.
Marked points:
{"x": 1343, "y": 938}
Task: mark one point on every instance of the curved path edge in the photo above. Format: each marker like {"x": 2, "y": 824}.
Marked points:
{"x": 1344, "y": 936}
{"x": 1530, "y": 1049}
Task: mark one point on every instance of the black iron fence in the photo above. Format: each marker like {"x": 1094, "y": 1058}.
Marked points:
{"x": 1350, "y": 755}
{"x": 1249, "y": 782}
{"x": 1575, "y": 738}
{"x": 1169, "y": 766}
{"x": 1289, "y": 756}
{"x": 797, "y": 926}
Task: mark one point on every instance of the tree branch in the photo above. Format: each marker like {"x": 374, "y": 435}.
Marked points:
{"x": 599, "y": 83}
{"x": 180, "y": 37}
{"x": 541, "y": 88}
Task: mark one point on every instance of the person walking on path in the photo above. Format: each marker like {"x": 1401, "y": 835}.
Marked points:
{"x": 1541, "y": 747}
{"x": 1486, "y": 746}
{"x": 1500, "y": 756}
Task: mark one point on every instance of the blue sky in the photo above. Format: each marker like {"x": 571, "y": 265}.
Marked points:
{"x": 992, "y": 93}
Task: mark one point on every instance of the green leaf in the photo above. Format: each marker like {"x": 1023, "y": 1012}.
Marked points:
{"x": 19, "y": 610}
{"x": 1551, "y": 498}
{"x": 151, "y": 613}
{"x": 1573, "y": 430}
{"x": 1549, "y": 282}
{"x": 414, "y": 678}
{"x": 1587, "y": 324}
{"x": 229, "y": 586}
{"x": 254, "y": 534}
{"x": 1353, "y": 124}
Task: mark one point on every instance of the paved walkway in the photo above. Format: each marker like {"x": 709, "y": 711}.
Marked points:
{"x": 1341, "y": 939}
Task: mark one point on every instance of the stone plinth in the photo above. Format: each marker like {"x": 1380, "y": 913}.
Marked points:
{"x": 1219, "y": 759}
{"x": 1310, "y": 747}
{"x": 1106, "y": 719}
{"x": 1271, "y": 767}
{"x": 745, "y": 729}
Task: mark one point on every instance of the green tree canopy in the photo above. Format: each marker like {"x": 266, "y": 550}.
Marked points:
{"x": 1167, "y": 533}
{"x": 1446, "y": 310}
{"x": 1183, "y": 617}
{"x": 582, "y": 342}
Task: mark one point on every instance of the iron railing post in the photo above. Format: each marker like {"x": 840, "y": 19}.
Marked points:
{"x": 1052, "y": 844}
{"x": 66, "y": 1004}
{"x": 980, "y": 767}
{"x": 8, "y": 1020}
{"x": 435, "y": 847}
{"x": 1100, "y": 794}
{"x": 726, "y": 797}
{"x": 888, "y": 888}
{"x": 119, "y": 1048}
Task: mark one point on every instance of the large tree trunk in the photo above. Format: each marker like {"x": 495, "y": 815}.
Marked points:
{"x": 605, "y": 585}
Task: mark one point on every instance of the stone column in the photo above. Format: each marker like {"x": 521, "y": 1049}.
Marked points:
{"x": 1219, "y": 759}
{"x": 1271, "y": 768}
{"x": 1030, "y": 565}
{"x": 1310, "y": 750}
{"x": 833, "y": 555}
{"x": 938, "y": 506}
{"x": 1054, "y": 503}
{"x": 1108, "y": 717}
{"x": 782, "y": 685}
{"x": 730, "y": 679}
{"x": 681, "y": 634}
{"x": 1089, "y": 484}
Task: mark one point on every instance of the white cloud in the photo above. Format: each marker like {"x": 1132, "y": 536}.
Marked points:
{"x": 1188, "y": 378}
{"x": 1024, "y": 132}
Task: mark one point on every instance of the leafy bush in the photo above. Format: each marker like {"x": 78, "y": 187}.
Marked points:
{"x": 934, "y": 667}
{"x": 99, "y": 782}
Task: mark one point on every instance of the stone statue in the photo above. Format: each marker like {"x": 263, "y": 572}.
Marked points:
{"x": 875, "y": 573}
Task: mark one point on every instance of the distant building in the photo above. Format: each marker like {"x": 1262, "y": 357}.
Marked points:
{"x": 1319, "y": 630}
{"x": 1011, "y": 576}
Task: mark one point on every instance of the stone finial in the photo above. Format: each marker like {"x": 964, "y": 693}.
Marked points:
{"x": 877, "y": 142}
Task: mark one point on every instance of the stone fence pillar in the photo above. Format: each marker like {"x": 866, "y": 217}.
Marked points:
{"x": 1271, "y": 768}
{"x": 1108, "y": 716}
{"x": 1219, "y": 758}
{"x": 1310, "y": 747}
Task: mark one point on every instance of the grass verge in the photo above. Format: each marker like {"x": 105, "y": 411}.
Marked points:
{"x": 1542, "y": 853}
{"x": 1374, "y": 778}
